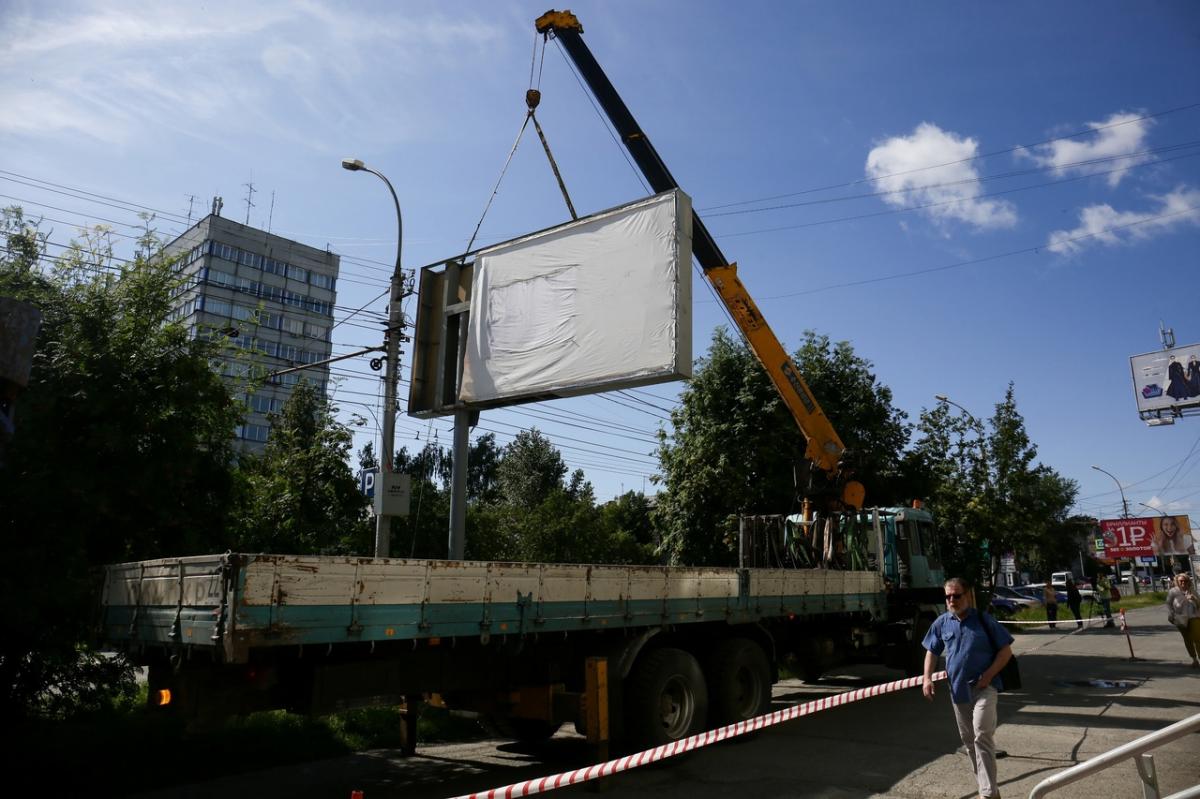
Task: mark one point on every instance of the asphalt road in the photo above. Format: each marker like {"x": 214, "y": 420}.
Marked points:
{"x": 896, "y": 745}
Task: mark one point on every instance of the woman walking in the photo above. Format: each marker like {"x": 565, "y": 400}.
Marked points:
{"x": 1183, "y": 610}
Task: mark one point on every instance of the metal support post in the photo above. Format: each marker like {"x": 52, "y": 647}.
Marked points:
{"x": 1145, "y": 767}
{"x": 458, "y": 486}
{"x": 595, "y": 711}
{"x": 395, "y": 331}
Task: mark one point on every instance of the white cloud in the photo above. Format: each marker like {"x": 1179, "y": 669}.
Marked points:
{"x": 932, "y": 169}
{"x": 1121, "y": 133}
{"x": 301, "y": 70}
{"x": 1102, "y": 224}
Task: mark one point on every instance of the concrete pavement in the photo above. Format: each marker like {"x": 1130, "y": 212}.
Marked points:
{"x": 896, "y": 746}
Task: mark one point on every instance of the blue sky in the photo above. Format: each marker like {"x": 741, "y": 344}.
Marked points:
{"x": 955, "y": 279}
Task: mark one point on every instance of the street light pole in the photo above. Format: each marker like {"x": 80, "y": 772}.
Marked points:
{"x": 395, "y": 329}
{"x": 1124, "y": 504}
{"x": 1124, "y": 515}
{"x": 983, "y": 466}
{"x": 978, "y": 430}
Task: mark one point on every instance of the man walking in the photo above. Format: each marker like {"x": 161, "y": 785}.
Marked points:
{"x": 1075, "y": 602}
{"x": 976, "y": 648}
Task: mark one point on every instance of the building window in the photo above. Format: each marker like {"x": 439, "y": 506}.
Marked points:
{"x": 215, "y": 306}
{"x": 253, "y": 432}
{"x": 321, "y": 281}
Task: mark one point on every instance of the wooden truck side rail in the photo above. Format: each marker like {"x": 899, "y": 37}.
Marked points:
{"x": 239, "y": 602}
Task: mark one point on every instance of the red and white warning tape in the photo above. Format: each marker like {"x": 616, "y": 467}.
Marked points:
{"x": 543, "y": 784}
{"x": 1062, "y": 621}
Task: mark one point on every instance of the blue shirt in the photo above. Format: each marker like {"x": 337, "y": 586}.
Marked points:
{"x": 968, "y": 651}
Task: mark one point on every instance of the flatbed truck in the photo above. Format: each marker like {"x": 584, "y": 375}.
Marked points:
{"x": 641, "y": 655}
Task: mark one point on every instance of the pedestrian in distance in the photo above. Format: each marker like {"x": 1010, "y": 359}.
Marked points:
{"x": 965, "y": 636}
{"x": 1104, "y": 591}
{"x": 1050, "y": 600}
{"x": 1075, "y": 602}
{"x": 1183, "y": 611}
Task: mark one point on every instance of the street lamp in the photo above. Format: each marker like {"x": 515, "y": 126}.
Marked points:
{"x": 1124, "y": 515}
{"x": 1124, "y": 504}
{"x": 395, "y": 328}
{"x": 979, "y": 431}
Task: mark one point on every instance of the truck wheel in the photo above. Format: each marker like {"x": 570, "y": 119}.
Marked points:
{"x": 667, "y": 698}
{"x": 739, "y": 681}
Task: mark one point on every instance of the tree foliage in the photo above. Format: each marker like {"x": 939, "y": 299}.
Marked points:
{"x": 301, "y": 496}
{"x": 735, "y": 448}
{"x": 122, "y": 450}
{"x": 991, "y": 496}
{"x": 530, "y": 470}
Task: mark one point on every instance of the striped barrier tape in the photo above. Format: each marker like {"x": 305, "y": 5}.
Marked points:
{"x": 598, "y": 770}
{"x": 1063, "y": 621}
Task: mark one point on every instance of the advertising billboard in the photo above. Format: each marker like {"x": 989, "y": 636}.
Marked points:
{"x": 597, "y": 304}
{"x": 1161, "y": 535}
{"x": 1167, "y": 381}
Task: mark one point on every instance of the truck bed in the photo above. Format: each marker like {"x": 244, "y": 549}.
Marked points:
{"x": 234, "y": 603}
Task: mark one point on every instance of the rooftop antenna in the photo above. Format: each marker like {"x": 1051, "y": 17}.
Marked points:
{"x": 217, "y": 204}
{"x": 249, "y": 197}
{"x": 1166, "y": 335}
{"x": 271, "y": 213}
{"x": 191, "y": 202}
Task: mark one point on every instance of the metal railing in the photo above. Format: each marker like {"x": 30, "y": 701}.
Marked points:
{"x": 1137, "y": 750}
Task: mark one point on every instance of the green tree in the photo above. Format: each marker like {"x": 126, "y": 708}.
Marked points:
{"x": 423, "y": 533}
{"x": 301, "y": 496}
{"x": 631, "y": 514}
{"x": 990, "y": 494}
{"x": 530, "y": 469}
{"x": 122, "y": 451}
{"x": 735, "y": 448}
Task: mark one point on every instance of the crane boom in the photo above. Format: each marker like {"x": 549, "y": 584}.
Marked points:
{"x": 825, "y": 448}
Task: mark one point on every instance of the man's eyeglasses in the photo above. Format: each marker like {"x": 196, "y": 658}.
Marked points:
{"x": 953, "y": 596}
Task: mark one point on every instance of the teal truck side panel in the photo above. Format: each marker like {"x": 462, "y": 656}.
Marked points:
{"x": 235, "y": 603}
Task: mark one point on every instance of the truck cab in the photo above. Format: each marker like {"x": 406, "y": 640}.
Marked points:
{"x": 912, "y": 559}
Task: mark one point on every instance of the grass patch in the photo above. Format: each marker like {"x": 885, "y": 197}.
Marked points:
{"x": 1144, "y": 600}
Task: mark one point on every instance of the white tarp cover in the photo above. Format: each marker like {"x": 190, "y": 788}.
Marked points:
{"x": 600, "y": 303}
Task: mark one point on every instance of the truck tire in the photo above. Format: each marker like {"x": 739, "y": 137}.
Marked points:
{"x": 666, "y": 698}
{"x": 739, "y": 682}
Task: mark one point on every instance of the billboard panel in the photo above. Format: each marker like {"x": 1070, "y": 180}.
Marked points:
{"x": 1161, "y": 535}
{"x": 593, "y": 305}
{"x": 1166, "y": 381}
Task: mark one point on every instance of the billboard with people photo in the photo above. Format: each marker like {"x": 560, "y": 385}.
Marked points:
{"x": 1146, "y": 538}
{"x": 1167, "y": 381}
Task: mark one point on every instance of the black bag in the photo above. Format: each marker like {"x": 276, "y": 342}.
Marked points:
{"x": 1010, "y": 675}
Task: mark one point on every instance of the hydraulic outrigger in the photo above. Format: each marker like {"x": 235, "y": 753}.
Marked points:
{"x": 825, "y": 449}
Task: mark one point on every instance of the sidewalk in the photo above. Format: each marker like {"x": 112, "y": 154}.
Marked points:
{"x": 1058, "y": 720}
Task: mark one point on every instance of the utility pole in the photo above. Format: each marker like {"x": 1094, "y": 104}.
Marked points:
{"x": 395, "y": 329}
{"x": 1124, "y": 515}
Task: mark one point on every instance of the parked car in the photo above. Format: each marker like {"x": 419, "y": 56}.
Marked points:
{"x": 1059, "y": 579}
{"x": 1034, "y": 591}
{"x": 1007, "y": 601}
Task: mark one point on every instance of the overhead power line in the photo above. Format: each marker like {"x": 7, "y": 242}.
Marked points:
{"x": 973, "y": 261}
{"x": 1005, "y": 151}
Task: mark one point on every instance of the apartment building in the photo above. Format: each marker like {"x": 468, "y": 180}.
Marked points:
{"x": 269, "y": 300}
